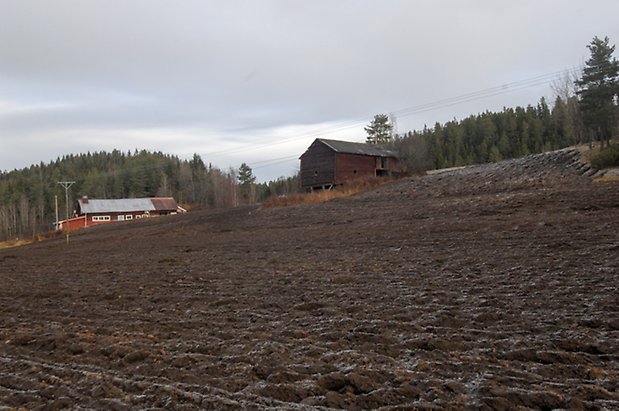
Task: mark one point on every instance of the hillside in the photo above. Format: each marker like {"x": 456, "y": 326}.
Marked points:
{"x": 27, "y": 196}
{"x": 490, "y": 286}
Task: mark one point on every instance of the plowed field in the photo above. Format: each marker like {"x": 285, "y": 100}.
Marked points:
{"x": 488, "y": 287}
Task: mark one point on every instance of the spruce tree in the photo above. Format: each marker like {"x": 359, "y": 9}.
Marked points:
{"x": 598, "y": 89}
{"x": 246, "y": 180}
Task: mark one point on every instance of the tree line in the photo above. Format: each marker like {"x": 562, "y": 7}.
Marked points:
{"x": 584, "y": 110}
{"x": 28, "y": 196}
{"x": 490, "y": 137}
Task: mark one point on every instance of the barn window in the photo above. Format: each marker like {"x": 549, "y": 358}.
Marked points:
{"x": 383, "y": 162}
{"x": 120, "y": 218}
{"x": 354, "y": 171}
{"x": 128, "y": 217}
{"x": 316, "y": 173}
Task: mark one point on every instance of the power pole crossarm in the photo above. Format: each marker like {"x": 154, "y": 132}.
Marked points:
{"x": 66, "y": 185}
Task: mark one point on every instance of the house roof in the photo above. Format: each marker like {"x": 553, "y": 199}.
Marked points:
{"x": 363, "y": 149}
{"x": 164, "y": 203}
{"x": 88, "y": 205}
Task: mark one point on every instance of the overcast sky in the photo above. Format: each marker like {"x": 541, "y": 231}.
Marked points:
{"x": 256, "y": 81}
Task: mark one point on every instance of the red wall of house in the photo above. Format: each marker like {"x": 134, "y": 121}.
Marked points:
{"x": 73, "y": 224}
{"x": 114, "y": 217}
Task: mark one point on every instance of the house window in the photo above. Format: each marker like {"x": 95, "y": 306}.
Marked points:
{"x": 120, "y": 218}
{"x": 128, "y": 217}
{"x": 383, "y": 162}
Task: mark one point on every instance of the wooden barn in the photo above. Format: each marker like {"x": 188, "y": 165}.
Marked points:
{"x": 328, "y": 163}
{"x": 91, "y": 212}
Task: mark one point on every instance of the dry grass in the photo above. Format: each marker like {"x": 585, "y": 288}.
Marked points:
{"x": 14, "y": 243}
{"x": 324, "y": 195}
{"x": 25, "y": 241}
{"x": 606, "y": 179}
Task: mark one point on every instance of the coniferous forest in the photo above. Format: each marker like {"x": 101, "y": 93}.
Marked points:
{"x": 28, "y": 196}
{"x": 591, "y": 112}
{"x": 491, "y": 137}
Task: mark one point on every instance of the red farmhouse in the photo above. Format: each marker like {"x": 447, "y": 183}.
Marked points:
{"x": 91, "y": 212}
{"x": 328, "y": 163}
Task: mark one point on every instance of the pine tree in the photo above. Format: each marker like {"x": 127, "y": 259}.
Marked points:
{"x": 598, "y": 89}
{"x": 380, "y": 130}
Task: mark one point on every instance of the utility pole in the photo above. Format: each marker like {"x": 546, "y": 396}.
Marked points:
{"x": 56, "y": 223}
{"x": 66, "y": 185}
{"x": 394, "y": 125}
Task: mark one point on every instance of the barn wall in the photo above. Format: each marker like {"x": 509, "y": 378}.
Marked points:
{"x": 392, "y": 165}
{"x": 351, "y": 167}
{"x": 322, "y": 166}
{"x": 317, "y": 165}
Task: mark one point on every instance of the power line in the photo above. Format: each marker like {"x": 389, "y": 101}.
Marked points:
{"x": 268, "y": 163}
{"x": 411, "y": 110}
{"x": 346, "y": 125}
{"x": 318, "y": 132}
{"x": 480, "y": 94}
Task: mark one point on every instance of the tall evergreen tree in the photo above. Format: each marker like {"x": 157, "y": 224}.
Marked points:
{"x": 380, "y": 130}
{"x": 246, "y": 180}
{"x": 598, "y": 89}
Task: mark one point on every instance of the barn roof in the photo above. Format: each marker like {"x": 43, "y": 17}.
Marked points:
{"x": 358, "y": 148}
{"x": 88, "y": 205}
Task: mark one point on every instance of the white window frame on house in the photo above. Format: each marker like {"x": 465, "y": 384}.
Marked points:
{"x": 128, "y": 217}
{"x": 100, "y": 218}
{"x": 120, "y": 217}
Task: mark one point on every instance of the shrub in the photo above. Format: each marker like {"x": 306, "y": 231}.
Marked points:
{"x": 608, "y": 157}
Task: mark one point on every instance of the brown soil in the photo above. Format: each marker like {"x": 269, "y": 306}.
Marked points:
{"x": 488, "y": 287}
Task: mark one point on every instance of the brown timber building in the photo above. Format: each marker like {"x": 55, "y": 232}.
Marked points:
{"x": 328, "y": 163}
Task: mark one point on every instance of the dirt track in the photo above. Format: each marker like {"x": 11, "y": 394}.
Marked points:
{"x": 490, "y": 287}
